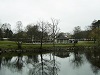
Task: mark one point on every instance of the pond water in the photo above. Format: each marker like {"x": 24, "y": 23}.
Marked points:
{"x": 58, "y": 63}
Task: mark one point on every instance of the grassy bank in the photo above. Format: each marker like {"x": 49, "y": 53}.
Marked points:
{"x": 13, "y": 45}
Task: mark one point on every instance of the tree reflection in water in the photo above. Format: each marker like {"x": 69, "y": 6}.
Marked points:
{"x": 38, "y": 65}
{"x": 77, "y": 60}
{"x": 45, "y": 67}
{"x": 32, "y": 62}
{"x": 15, "y": 65}
{"x": 93, "y": 56}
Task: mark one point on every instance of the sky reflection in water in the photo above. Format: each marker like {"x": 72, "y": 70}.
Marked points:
{"x": 61, "y": 63}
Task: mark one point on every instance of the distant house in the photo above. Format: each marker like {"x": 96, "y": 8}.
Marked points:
{"x": 62, "y": 39}
{"x": 5, "y": 38}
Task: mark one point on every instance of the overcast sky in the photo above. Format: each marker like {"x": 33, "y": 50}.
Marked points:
{"x": 70, "y": 12}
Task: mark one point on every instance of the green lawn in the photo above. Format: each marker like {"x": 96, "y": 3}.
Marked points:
{"x": 13, "y": 45}
{"x": 85, "y": 43}
{"x": 7, "y": 45}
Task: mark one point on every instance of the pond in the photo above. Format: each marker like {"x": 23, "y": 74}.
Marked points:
{"x": 53, "y": 63}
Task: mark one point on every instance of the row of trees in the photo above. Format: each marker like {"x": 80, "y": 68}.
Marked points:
{"x": 40, "y": 32}
{"x": 48, "y": 31}
{"x": 92, "y": 32}
{"x": 81, "y": 34}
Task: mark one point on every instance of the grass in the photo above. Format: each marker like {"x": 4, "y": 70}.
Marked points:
{"x": 7, "y": 45}
{"x": 85, "y": 43}
{"x": 13, "y": 45}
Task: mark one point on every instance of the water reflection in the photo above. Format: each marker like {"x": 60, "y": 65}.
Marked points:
{"x": 93, "y": 57}
{"x": 36, "y": 64}
{"x": 77, "y": 60}
{"x": 47, "y": 64}
{"x": 13, "y": 65}
{"x": 44, "y": 66}
{"x": 62, "y": 54}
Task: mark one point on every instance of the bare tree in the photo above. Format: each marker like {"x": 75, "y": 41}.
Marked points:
{"x": 43, "y": 29}
{"x": 54, "y": 29}
{"x": 19, "y": 30}
{"x": 19, "y": 26}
